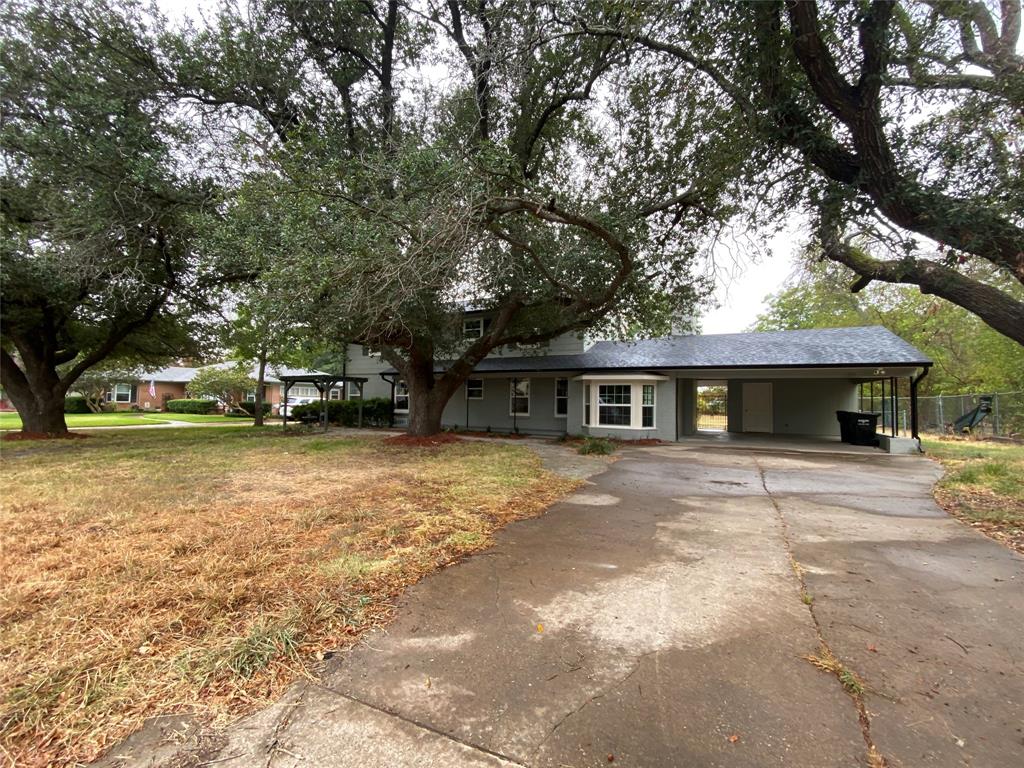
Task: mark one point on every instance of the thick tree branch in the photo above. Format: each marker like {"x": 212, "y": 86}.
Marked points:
{"x": 995, "y": 307}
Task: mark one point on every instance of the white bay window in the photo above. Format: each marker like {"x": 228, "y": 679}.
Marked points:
{"x": 620, "y": 401}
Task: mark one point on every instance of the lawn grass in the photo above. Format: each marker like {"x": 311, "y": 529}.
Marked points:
{"x": 125, "y": 419}
{"x": 202, "y": 570}
{"x": 983, "y": 485}
{"x": 13, "y": 420}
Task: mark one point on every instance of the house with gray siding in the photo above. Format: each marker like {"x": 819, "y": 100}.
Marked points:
{"x": 777, "y": 383}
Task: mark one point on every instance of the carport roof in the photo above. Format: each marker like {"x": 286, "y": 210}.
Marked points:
{"x": 858, "y": 347}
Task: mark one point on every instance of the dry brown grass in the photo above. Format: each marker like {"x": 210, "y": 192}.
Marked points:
{"x": 204, "y": 570}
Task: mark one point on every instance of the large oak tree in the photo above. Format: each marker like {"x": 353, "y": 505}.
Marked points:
{"x": 421, "y": 158}
{"x": 895, "y": 123}
{"x": 94, "y": 206}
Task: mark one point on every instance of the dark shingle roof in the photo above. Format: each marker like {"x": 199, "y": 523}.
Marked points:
{"x": 870, "y": 346}
{"x": 862, "y": 346}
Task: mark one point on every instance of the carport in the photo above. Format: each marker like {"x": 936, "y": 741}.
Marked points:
{"x": 791, "y": 383}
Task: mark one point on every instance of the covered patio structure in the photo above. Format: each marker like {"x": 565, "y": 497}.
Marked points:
{"x": 324, "y": 383}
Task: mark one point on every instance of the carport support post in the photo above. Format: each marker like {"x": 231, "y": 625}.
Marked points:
{"x": 892, "y": 404}
{"x": 914, "y": 381}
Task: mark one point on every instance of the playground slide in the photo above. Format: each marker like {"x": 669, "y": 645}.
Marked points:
{"x": 973, "y": 418}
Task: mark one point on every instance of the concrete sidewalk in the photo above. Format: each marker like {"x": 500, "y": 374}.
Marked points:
{"x": 655, "y": 618}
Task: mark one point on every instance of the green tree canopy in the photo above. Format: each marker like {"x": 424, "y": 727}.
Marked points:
{"x": 226, "y": 383}
{"x": 526, "y": 180}
{"x": 970, "y": 356}
{"x": 897, "y": 123}
{"x": 95, "y": 204}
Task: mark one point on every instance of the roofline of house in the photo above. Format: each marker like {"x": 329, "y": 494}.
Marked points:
{"x": 767, "y": 366}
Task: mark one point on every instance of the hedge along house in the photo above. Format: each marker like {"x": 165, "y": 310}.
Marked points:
{"x": 155, "y": 388}
{"x": 777, "y": 383}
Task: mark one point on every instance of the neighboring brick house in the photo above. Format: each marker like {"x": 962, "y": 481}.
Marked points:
{"x": 155, "y": 388}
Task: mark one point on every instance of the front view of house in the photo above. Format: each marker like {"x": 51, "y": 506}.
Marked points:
{"x": 779, "y": 382}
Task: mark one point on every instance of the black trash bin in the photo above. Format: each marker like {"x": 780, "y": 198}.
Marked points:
{"x": 858, "y": 427}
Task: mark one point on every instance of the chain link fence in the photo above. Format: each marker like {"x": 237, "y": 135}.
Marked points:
{"x": 938, "y": 414}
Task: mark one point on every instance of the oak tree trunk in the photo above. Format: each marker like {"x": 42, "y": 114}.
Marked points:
{"x": 39, "y": 404}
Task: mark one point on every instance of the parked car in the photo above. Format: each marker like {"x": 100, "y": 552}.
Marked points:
{"x": 286, "y": 409}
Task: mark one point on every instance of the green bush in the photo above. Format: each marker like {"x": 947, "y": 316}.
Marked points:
{"x": 345, "y": 413}
{"x": 248, "y": 410}
{"x": 191, "y": 406}
{"x": 76, "y": 404}
{"x": 601, "y": 446}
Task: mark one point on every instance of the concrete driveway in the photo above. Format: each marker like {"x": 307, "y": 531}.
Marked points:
{"x": 664, "y": 616}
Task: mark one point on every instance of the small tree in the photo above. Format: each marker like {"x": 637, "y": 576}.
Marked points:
{"x": 227, "y": 384}
{"x": 96, "y": 382}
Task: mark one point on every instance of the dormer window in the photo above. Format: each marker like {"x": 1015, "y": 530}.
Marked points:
{"x": 473, "y": 327}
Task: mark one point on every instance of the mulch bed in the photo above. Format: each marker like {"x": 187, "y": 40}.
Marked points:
{"x": 12, "y": 436}
{"x": 412, "y": 441}
{"x": 504, "y": 436}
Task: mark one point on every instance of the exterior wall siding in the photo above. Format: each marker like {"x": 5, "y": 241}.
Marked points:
{"x": 686, "y": 415}
{"x": 799, "y": 406}
{"x": 492, "y": 412}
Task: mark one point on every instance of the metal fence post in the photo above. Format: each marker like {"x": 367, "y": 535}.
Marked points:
{"x": 995, "y": 413}
{"x": 942, "y": 420}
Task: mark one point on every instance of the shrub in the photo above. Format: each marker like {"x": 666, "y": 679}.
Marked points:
{"x": 191, "y": 406}
{"x": 345, "y": 413}
{"x": 76, "y": 404}
{"x": 601, "y": 446}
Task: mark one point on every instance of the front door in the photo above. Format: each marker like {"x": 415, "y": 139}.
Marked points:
{"x": 757, "y": 406}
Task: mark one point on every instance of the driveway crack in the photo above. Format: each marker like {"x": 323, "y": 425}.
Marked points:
{"x": 604, "y": 691}
{"x": 426, "y": 727}
{"x": 826, "y": 659}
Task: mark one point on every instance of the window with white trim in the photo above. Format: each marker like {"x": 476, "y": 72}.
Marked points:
{"x": 561, "y": 398}
{"x": 519, "y": 397}
{"x": 334, "y": 394}
{"x": 303, "y": 392}
{"x": 401, "y": 397}
{"x": 474, "y": 389}
{"x": 473, "y": 327}
{"x": 122, "y": 393}
{"x": 647, "y": 407}
{"x": 614, "y": 405}
{"x": 353, "y": 390}
{"x": 586, "y": 404}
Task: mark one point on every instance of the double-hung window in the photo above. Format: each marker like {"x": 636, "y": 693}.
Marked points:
{"x": 614, "y": 405}
{"x": 401, "y": 397}
{"x": 335, "y": 394}
{"x": 586, "y": 404}
{"x": 561, "y": 398}
{"x": 353, "y": 390}
{"x": 122, "y": 393}
{"x": 474, "y": 389}
{"x": 473, "y": 327}
{"x": 647, "y": 406}
{"x": 519, "y": 397}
